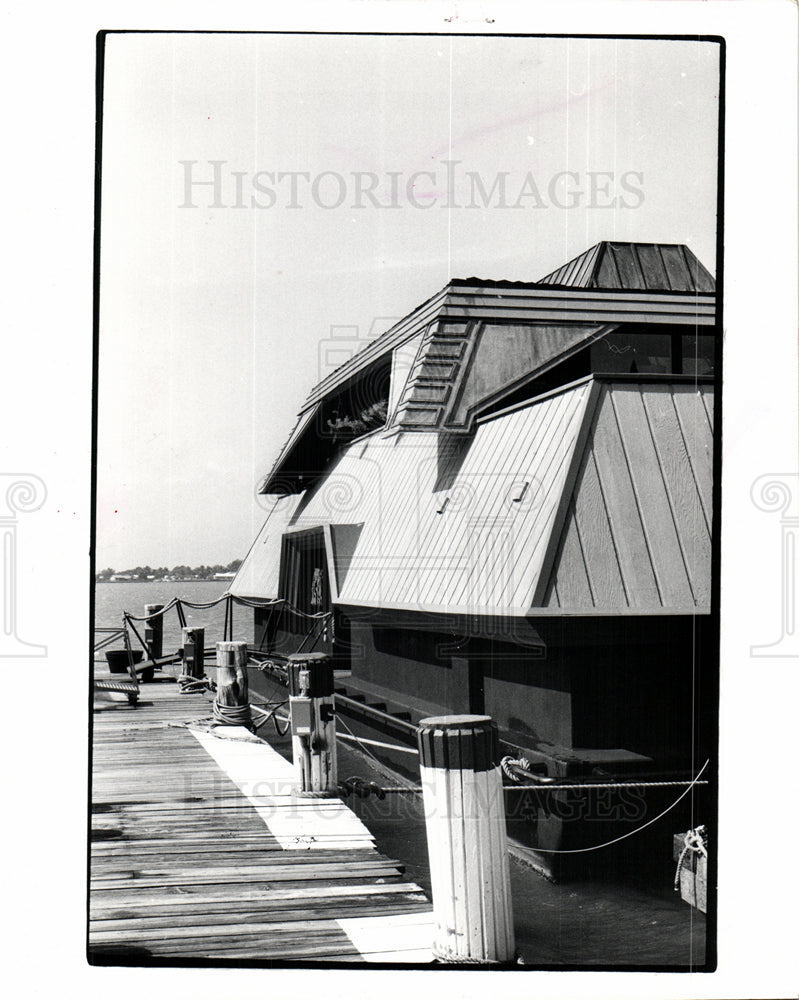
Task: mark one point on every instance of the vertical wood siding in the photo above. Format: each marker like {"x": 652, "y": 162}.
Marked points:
{"x": 483, "y": 553}
{"x": 474, "y": 528}
{"x": 638, "y": 529}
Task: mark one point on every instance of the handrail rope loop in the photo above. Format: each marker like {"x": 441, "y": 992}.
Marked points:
{"x": 155, "y": 614}
{"x": 624, "y": 836}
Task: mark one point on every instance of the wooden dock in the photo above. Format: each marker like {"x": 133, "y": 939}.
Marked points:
{"x": 201, "y": 851}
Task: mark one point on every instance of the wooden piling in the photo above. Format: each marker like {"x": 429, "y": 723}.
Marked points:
{"x": 466, "y": 839}
{"x": 313, "y": 723}
{"x": 232, "y": 703}
{"x": 154, "y": 631}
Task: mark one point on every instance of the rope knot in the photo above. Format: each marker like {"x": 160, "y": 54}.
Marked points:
{"x": 694, "y": 843}
{"x": 508, "y": 762}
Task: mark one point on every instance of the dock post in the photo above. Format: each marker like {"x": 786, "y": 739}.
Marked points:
{"x": 313, "y": 723}
{"x": 193, "y": 669}
{"x": 154, "y": 631}
{"x": 466, "y": 839}
{"x": 153, "y": 637}
{"x": 232, "y": 701}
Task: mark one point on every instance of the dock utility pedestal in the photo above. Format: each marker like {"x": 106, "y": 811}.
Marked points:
{"x": 313, "y": 723}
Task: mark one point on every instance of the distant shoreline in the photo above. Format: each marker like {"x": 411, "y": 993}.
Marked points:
{"x": 174, "y": 579}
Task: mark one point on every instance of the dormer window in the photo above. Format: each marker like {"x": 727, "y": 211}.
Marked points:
{"x": 665, "y": 352}
{"x": 630, "y": 350}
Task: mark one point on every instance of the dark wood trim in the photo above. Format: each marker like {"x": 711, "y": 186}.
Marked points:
{"x": 564, "y": 501}
{"x": 473, "y": 416}
{"x": 534, "y": 399}
{"x": 477, "y": 625}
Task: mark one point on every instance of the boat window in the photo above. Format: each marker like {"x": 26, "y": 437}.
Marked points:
{"x": 637, "y": 349}
{"x": 698, "y": 354}
{"x": 642, "y": 353}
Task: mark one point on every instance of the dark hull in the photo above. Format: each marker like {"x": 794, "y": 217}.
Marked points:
{"x": 564, "y": 833}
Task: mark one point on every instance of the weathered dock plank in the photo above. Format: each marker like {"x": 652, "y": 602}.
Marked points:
{"x": 200, "y": 850}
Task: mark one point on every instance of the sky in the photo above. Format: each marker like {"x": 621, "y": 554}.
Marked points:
{"x": 270, "y": 203}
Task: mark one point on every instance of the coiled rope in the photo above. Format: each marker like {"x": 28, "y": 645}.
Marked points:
{"x": 233, "y": 715}
{"x": 441, "y": 954}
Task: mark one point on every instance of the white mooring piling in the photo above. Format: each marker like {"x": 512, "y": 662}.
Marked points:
{"x": 313, "y": 723}
{"x": 466, "y": 839}
{"x": 232, "y": 701}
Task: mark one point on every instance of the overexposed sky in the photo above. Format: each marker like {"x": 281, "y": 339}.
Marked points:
{"x": 331, "y": 214}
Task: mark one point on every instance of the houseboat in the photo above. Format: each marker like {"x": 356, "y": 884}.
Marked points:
{"x": 503, "y": 505}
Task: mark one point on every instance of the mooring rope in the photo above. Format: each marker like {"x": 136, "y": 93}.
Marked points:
{"x": 505, "y": 765}
{"x": 194, "y": 685}
{"x": 269, "y": 715}
{"x": 695, "y": 843}
{"x": 278, "y": 730}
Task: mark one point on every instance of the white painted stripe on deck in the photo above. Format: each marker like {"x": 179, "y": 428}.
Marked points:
{"x": 398, "y": 937}
{"x": 266, "y": 779}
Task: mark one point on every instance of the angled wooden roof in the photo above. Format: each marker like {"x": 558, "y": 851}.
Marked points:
{"x": 592, "y": 499}
{"x": 454, "y": 526}
{"x": 636, "y": 527}
{"x": 670, "y": 267}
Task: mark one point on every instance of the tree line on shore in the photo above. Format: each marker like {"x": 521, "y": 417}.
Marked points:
{"x": 164, "y": 573}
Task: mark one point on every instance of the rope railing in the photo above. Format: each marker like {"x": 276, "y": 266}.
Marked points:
{"x": 155, "y": 614}
{"x": 233, "y": 599}
{"x": 321, "y": 628}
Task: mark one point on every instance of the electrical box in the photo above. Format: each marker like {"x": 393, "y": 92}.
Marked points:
{"x": 301, "y": 716}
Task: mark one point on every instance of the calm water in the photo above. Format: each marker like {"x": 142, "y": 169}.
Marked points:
{"x": 112, "y": 599}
